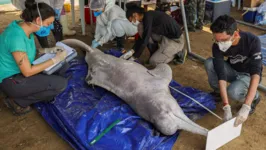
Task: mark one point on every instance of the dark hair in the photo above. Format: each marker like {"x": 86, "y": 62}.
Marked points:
{"x": 224, "y": 23}
{"x": 133, "y": 8}
{"x": 31, "y": 12}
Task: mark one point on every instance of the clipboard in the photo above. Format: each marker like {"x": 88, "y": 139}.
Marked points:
{"x": 71, "y": 54}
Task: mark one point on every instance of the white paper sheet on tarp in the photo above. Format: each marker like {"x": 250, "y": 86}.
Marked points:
{"x": 222, "y": 134}
{"x": 46, "y": 57}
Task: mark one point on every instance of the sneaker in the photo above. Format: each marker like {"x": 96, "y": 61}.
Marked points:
{"x": 17, "y": 110}
{"x": 254, "y": 104}
{"x": 216, "y": 96}
{"x": 180, "y": 57}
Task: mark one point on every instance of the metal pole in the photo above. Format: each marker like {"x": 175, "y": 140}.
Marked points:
{"x": 82, "y": 15}
{"x": 120, "y": 3}
{"x": 251, "y": 25}
{"x": 239, "y": 5}
{"x": 200, "y": 58}
{"x": 73, "y": 12}
{"x": 91, "y": 13}
{"x": 185, "y": 24}
{"x": 125, "y": 2}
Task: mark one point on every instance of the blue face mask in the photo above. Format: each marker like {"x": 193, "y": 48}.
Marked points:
{"x": 97, "y": 13}
{"x": 44, "y": 31}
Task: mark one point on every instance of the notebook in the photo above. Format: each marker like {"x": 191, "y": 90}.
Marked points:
{"x": 71, "y": 54}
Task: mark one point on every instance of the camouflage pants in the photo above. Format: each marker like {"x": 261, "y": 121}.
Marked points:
{"x": 195, "y": 10}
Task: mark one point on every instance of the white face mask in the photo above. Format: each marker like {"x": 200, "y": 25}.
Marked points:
{"x": 135, "y": 23}
{"x": 224, "y": 46}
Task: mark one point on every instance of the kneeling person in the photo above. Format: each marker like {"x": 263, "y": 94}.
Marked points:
{"x": 159, "y": 32}
{"x": 243, "y": 68}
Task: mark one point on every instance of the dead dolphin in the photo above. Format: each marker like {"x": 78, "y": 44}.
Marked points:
{"x": 146, "y": 91}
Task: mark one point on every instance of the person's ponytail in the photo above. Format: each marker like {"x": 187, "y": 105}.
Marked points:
{"x": 31, "y": 12}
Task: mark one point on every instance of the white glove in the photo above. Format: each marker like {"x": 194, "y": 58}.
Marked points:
{"x": 227, "y": 113}
{"x": 242, "y": 115}
{"x": 52, "y": 50}
{"x": 60, "y": 56}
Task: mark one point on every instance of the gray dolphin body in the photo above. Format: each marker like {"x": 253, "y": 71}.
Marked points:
{"x": 146, "y": 91}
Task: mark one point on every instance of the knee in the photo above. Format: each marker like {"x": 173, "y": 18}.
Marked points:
{"x": 208, "y": 64}
{"x": 153, "y": 62}
{"x": 61, "y": 85}
{"x": 237, "y": 91}
{"x": 117, "y": 28}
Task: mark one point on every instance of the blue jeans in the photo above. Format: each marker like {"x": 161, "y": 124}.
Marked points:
{"x": 239, "y": 82}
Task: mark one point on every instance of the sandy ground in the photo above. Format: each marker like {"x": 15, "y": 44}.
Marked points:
{"x": 31, "y": 132}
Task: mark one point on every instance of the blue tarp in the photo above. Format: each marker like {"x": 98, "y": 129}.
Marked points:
{"x": 81, "y": 112}
{"x": 263, "y": 48}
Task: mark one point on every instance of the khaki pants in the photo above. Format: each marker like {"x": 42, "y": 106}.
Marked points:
{"x": 167, "y": 47}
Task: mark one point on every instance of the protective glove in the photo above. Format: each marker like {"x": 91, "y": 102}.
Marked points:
{"x": 227, "y": 113}
{"x": 242, "y": 115}
{"x": 95, "y": 44}
{"x": 60, "y": 56}
{"x": 57, "y": 13}
{"x": 94, "y": 41}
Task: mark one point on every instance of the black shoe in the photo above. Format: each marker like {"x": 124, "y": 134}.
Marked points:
{"x": 180, "y": 57}
{"x": 17, "y": 110}
{"x": 216, "y": 96}
{"x": 254, "y": 104}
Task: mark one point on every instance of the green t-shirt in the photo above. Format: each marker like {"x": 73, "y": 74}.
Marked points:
{"x": 14, "y": 39}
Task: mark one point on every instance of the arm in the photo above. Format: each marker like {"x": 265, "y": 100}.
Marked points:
{"x": 147, "y": 31}
{"x": 97, "y": 35}
{"x": 254, "y": 83}
{"x": 26, "y": 68}
{"x": 255, "y": 66}
{"x": 223, "y": 91}
{"x": 111, "y": 15}
{"x": 255, "y": 69}
{"x": 218, "y": 63}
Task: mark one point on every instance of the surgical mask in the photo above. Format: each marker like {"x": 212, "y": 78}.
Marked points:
{"x": 43, "y": 31}
{"x": 224, "y": 46}
{"x": 135, "y": 23}
{"x": 97, "y": 13}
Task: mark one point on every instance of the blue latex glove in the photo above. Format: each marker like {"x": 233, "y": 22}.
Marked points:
{"x": 94, "y": 41}
{"x": 57, "y": 14}
{"x": 95, "y": 44}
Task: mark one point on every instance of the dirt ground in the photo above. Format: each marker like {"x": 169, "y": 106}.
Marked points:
{"x": 31, "y": 132}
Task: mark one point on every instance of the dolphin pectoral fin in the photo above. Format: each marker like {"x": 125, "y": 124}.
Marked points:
{"x": 163, "y": 71}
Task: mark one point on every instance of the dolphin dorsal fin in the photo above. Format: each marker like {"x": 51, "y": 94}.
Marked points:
{"x": 163, "y": 71}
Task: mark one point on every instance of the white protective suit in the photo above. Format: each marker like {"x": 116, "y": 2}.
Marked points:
{"x": 56, "y": 4}
{"x": 113, "y": 23}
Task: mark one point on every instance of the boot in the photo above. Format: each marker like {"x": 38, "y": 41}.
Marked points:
{"x": 66, "y": 31}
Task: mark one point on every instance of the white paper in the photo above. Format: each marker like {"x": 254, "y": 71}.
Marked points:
{"x": 46, "y": 57}
{"x": 222, "y": 134}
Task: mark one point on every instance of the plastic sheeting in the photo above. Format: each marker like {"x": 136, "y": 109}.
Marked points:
{"x": 263, "y": 48}
{"x": 81, "y": 112}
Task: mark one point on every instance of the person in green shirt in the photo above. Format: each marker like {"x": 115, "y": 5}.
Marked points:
{"x": 21, "y": 81}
